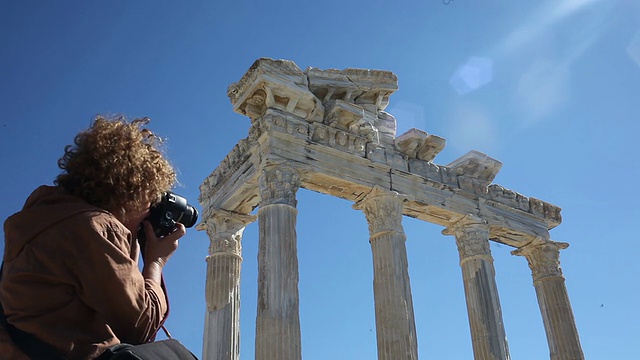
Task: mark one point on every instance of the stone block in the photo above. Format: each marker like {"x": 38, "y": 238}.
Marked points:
{"x": 275, "y": 84}
{"x": 476, "y": 165}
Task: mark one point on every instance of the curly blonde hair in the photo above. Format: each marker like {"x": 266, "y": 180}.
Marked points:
{"x": 116, "y": 165}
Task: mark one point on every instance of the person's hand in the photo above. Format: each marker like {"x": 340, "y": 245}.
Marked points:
{"x": 159, "y": 250}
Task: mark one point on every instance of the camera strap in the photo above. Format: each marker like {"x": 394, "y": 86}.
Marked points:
{"x": 142, "y": 240}
{"x": 38, "y": 349}
{"x": 26, "y": 342}
{"x": 166, "y": 315}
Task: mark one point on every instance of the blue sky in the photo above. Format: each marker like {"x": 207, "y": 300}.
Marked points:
{"x": 550, "y": 88}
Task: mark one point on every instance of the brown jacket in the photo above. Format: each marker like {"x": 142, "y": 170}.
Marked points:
{"x": 71, "y": 278}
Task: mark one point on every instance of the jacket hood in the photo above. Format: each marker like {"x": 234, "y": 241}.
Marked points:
{"x": 45, "y": 207}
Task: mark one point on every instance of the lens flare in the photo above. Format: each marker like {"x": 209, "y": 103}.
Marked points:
{"x": 477, "y": 72}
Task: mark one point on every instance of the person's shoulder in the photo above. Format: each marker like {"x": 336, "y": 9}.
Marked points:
{"x": 100, "y": 221}
{"x": 91, "y": 222}
{"x": 100, "y": 231}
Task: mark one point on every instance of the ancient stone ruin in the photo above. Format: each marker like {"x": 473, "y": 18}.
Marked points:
{"x": 327, "y": 131}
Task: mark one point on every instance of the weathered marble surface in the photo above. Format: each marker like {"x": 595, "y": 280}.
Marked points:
{"x": 222, "y": 290}
{"x": 345, "y": 164}
{"x": 543, "y": 257}
{"x": 278, "y": 314}
{"x": 328, "y": 131}
{"x": 395, "y": 322}
{"x": 488, "y": 336}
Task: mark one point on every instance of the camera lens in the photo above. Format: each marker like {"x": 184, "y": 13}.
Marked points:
{"x": 189, "y": 216}
{"x": 171, "y": 209}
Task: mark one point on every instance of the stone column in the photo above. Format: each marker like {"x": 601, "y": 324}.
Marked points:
{"x": 222, "y": 290}
{"x": 278, "y": 318}
{"x": 557, "y": 316}
{"x": 483, "y": 305}
{"x": 395, "y": 323}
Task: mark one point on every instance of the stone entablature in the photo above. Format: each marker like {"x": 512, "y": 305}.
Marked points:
{"x": 301, "y": 142}
{"x": 328, "y": 131}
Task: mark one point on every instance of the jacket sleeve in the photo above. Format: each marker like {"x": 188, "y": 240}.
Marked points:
{"x": 110, "y": 282}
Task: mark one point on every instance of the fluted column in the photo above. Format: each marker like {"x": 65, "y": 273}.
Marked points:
{"x": 222, "y": 289}
{"x": 557, "y": 316}
{"x": 395, "y": 323}
{"x": 278, "y": 318}
{"x": 483, "y": 304}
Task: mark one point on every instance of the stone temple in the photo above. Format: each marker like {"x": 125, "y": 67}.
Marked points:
{"x": 327, "y": 131}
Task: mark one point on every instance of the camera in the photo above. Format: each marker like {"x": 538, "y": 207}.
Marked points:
{"x": 171, "y": 209}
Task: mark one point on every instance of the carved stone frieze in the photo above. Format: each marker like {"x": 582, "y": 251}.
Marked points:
{"x": 284, "y": 69}
{"x": 355, "y": 124}
{"x": 543, "y": 257}
{"x": 227, "y": 167}
{"x": 274, "y": 121}
{"x": 359, "y": 86}
{"x": 274, "y": 84}
{"x": 255, "y": 131}
{"x": 545, "y": 210}
{"x": 331, "y": 84}
{"x": 508, "y": 197}
{"x": 338, "y": 139}
{"x": 278, "y": 184}
{"x": 366, "y": 130}
{"x": 343, "y": 115}
{"x": 518, "y": 201}
{"x": 354, "y": 99}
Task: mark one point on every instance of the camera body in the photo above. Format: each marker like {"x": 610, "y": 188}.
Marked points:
{"x": 171, "y": 209}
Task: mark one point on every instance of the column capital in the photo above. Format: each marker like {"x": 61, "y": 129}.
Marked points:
{"x": 278, "y": 184}
{"x": 472, "y": 237}
{"x": 383, "y": 210}
{"x": 543, "y": 257}
{"x": 483, "y": 304}
{"x": 395, "y": 320}
{"x": 225, "y": 230}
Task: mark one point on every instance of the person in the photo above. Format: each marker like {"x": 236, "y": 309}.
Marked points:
{"x": 70, "y": 274}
